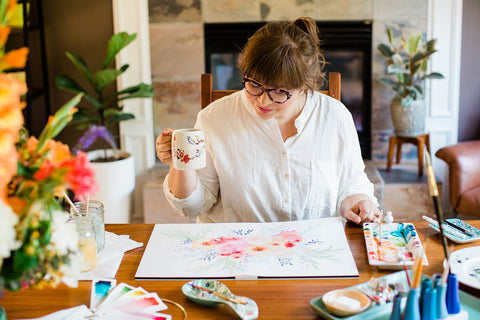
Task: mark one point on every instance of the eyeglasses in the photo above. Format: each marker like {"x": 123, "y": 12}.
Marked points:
{"x": 256, "y": 89}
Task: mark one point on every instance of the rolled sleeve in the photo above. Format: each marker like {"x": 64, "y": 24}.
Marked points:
{"x": 190, "y": 206}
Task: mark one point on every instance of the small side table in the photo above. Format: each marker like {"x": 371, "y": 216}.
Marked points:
{"x": 420, "y": 141}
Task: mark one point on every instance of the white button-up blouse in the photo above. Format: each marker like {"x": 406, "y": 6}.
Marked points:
{"x": 252, "y": 175}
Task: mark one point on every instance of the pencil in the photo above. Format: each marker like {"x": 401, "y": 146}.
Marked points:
{"x": 225, "y": 297}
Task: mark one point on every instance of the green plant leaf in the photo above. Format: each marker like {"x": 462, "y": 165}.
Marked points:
{"x": 396, "y": 69}
{"x": 390, "y": 37}
{"x": 142, "y": 91}
{"x": 388, "y": 81}
{"x": 65, "y": 82}
{"x": 117, "y": 42}
{"x": 412, "y": 43}
{"x": 105, "y": 77}
{"x": 81, "y": 117}
{"x": 435, "y": 75}
{"x": 385, "y": 50}
{"x": 81, "y": 66}
{"x": 112, "y": 112}
{"x": 122, "y": 117}
{"x": 430, "y": 45}
{"x": 58, "y": 122}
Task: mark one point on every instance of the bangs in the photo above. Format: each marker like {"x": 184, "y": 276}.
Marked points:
{"x": 273, "y": 68}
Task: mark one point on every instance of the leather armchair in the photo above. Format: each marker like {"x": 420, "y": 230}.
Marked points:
{"x": 463, "y": 160}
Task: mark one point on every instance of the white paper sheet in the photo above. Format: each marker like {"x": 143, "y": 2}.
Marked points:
{"x": 308, "y": 248}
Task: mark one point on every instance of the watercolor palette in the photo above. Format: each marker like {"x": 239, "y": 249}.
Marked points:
{"x": 399, "y": 242}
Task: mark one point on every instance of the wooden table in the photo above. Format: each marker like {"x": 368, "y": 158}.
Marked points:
{"x": 276, "y": 299}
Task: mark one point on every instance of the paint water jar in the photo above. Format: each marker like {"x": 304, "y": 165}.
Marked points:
{"x": 87, "y": 242}
{"x": 95, "y": 211}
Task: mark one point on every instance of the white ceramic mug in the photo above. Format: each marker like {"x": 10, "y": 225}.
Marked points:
{"x": 188, "y": 149}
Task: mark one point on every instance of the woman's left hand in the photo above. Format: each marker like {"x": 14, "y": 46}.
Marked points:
{"x": 363, "y": 211}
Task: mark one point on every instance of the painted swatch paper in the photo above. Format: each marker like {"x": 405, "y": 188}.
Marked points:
{"x": 309, "y": 248}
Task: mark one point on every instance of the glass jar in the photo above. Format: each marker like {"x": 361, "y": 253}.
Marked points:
{"x": 96, "y": 212}
{"x": 87, "y": 242}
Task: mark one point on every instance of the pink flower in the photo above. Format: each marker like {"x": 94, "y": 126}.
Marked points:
{"x": 290, "y": 236}
{"x": 81, "y": 177}
{"x": 234, "y": 249}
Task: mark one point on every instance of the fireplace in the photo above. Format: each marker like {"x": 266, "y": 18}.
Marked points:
{"x": 347, "y": 49}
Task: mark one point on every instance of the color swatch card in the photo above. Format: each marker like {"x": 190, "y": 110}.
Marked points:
{"x": 296, "y": 249}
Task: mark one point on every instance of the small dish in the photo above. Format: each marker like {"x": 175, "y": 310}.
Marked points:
{"x": 212, "y": 293}
{"x": 457, "y": 236}
{"x": 346, "y": 302}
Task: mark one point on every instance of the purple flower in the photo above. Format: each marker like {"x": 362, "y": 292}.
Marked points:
{"x": 91, "y": 135}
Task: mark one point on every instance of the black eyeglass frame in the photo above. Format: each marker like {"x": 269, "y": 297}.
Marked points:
{"x": 289, "y": 94}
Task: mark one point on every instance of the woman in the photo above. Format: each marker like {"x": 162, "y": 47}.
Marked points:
{"x": 277, "y": 150}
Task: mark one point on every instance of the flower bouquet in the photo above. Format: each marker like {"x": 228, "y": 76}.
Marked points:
{"x": 38, "y": 246}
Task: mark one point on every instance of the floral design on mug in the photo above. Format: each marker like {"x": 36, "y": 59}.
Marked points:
{"x": 184, "y": 157}
{"x": 195, "y": 140}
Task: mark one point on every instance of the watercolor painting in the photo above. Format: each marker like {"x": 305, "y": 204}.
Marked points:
{"x": 311, "y": 248}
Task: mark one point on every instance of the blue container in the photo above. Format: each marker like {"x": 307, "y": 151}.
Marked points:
{"x": 453, "y": 298}
{"x": 397, "y": 308}
{"x": 412, "y": 309}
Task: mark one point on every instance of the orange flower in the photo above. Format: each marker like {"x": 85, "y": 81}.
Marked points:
{"x": 31, "y": 144}
{"x": 58, "y": 153}
{"x": 17, "y": 204}
{"x": 46, "y": 168}
{"x": 11, "y": 119}
{"x": 14, "y": 59}
{"x": 8, "y": 160}
{"x": 4, "y": 32}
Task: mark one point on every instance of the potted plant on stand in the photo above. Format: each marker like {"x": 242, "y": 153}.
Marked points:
{"x": 114, "y": 169}
{"x": 407, "y": 67}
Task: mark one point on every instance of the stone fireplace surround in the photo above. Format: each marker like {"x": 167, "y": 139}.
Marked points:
{"x": 177, "y": 49}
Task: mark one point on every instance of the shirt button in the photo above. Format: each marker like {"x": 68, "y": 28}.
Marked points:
{"x": 286, "y": 176}
{"x": 283, "y": 153}
{"x": 286, "y": 200}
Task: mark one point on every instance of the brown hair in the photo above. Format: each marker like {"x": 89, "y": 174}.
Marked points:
{"x": 285, "y": 55}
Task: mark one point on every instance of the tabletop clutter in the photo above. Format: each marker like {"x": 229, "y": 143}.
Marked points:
{"x": 411, "y": 294}
{"x": 408, "y": 294}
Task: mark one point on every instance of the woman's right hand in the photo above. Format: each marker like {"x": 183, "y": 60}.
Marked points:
{"x": 163, "y": 146}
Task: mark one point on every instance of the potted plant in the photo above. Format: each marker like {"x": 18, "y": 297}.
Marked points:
{"x": 115, "y": 170}
{"x": 407, "y": 67}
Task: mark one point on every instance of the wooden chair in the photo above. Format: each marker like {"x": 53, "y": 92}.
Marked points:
{"x": 208, "y": 95}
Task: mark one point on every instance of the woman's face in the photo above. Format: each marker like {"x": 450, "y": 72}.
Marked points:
{"x": 265, "y": 108}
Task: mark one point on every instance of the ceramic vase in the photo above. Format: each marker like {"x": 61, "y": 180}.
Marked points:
{"x": 408, "y": 117}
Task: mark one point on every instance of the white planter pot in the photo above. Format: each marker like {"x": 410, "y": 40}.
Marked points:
{"x": 116, "y": 182}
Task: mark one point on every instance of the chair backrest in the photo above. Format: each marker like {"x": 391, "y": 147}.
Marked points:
{"x": 208, "y": 95}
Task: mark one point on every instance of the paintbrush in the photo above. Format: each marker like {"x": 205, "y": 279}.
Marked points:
{"x": 218, "y": 294}
{"x": 433, "y": 190}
